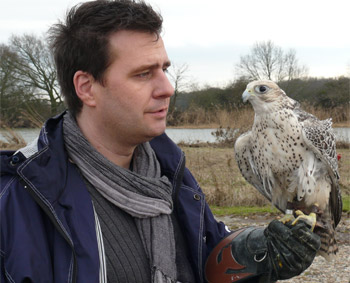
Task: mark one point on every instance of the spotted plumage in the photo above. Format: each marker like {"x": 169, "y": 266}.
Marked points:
{"x": 289, "y": 156}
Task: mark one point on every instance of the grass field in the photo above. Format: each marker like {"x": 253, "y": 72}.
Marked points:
{"x": 216, "y": 171}
{"x": 219, "y": 177}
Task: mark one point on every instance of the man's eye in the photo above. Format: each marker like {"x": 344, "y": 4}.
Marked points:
{"x": 144, "y": 74}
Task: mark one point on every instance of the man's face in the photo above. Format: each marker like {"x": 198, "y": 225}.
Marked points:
{"x": 133, "y": 101}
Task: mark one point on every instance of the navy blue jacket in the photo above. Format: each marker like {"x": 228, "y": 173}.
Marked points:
{"x": 47, "y": 218}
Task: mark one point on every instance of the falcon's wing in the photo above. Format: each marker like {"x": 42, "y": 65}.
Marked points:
{"x": 320, "y": 138}
{"x": 248, "y": 168}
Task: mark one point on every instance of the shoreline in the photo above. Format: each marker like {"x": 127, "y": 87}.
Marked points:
{"x": 215, "y": 126}
{"x": 191, "y": 126}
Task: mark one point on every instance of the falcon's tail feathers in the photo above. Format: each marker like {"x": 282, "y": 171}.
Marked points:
{"x": 329, "y": 247}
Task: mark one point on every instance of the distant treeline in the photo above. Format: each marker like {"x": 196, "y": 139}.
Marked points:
{"x": 330, "y": 95}
{"x": 326, "y": 93}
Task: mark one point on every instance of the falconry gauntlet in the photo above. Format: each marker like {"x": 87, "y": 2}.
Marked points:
{"x": 251, "y": 254}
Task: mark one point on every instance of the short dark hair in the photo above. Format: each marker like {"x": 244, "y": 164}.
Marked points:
{"x": 82, "y": 42}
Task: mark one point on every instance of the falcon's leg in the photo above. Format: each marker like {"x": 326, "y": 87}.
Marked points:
{"x": 310, "y": 219}
{"x": 288, "y": 217}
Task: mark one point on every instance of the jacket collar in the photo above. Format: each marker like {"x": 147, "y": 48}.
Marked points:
{"x": 169, "y": 155}
{"x": 52, "y": 157}
{"x": 48, "y": 163}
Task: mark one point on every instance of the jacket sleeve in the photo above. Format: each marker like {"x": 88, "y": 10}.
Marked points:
{"x": 3, "y": 277}
{"x": 213, "y": 231}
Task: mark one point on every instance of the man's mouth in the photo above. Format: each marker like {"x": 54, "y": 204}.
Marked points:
{"x": 159, "y": 112}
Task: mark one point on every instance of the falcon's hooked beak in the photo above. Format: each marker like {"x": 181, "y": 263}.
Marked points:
{"x": 246, "y": 95}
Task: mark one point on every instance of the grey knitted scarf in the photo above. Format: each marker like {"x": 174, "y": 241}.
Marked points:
{"x": 142, "y": 193}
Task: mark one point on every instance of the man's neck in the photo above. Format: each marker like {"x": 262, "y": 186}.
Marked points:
{"x": 120, "y": 158}
{"x": 116, "y": 152}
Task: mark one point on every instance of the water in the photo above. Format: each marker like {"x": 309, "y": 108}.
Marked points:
{"x": 191, "y": 135}
{"x": 27, "y": 134}
{"x": 178, "y": 135}
{"x": 342, "y": 134}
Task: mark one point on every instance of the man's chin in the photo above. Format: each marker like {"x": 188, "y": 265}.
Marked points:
{"x": 157, "y": 131}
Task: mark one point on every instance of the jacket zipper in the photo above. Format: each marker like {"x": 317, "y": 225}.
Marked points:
{"x": 179, "y": 177}
{"x": 52, "y": 218}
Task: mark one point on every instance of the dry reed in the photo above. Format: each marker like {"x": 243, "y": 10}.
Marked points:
{"x": 243, "y": 117}
{"x": 13, "y": 139}
{"x": 339, "y": 114}
{"x": 218, "y": 175}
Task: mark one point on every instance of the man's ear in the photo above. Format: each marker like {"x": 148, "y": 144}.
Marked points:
{"x": 83, "y": 87}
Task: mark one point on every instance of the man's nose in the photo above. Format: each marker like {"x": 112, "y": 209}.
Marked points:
{"x": 163, "y": 86}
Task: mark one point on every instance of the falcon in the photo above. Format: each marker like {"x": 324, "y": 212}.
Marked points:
{"x": 289, "y": 156}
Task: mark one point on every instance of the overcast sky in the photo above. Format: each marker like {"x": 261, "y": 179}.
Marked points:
{"x": 210, "y": 36}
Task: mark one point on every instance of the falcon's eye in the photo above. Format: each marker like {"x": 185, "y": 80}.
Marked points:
{"x": 261, "y": 89}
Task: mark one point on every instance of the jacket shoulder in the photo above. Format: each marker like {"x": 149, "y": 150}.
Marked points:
{"x": 10, "y": 160}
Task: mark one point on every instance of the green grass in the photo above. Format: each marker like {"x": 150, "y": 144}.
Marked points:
{"x": 242, "y": 210}
{"x": 346, "y": 203}
{"x": 249, "y": 210}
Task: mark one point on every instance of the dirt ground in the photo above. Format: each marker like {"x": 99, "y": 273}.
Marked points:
{"x": 321, "y": 271}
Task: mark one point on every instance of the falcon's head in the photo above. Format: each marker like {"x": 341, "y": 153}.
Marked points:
{"x": 265, "y": 96}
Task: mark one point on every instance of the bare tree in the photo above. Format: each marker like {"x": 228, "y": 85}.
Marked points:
{"x": 7, "y": 72}
{"x": 12, "y": 94}
{"x": 179, "y": 78}
{"x": 292, "y": 69}
{"x": 268, "y": 61}
{"x": 35, "y": 68}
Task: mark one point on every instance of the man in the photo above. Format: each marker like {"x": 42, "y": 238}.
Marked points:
{"x": 103, "y": 193}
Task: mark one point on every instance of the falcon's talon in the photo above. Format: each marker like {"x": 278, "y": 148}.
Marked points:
{"x": 299, "y": 212}
{"x": 315, "y": 208}
{"x": 287, "y": 218}
{"x": 309, "y": 219}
